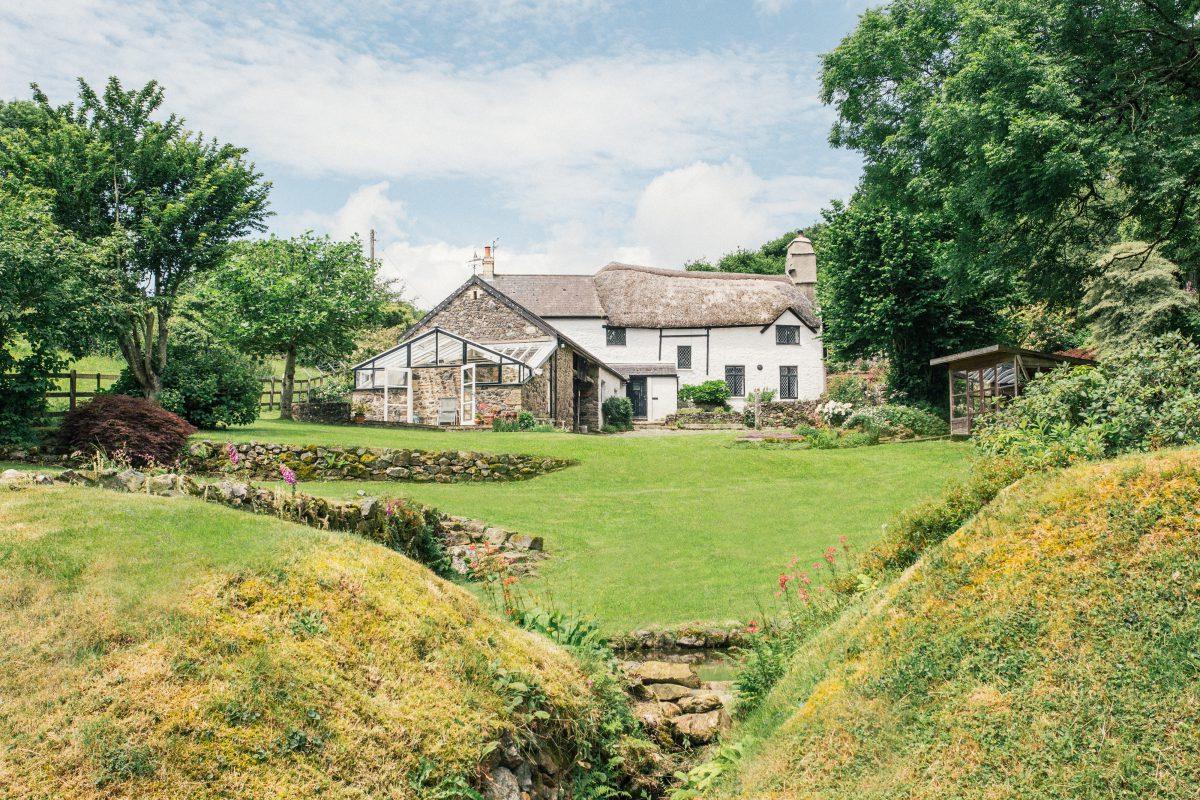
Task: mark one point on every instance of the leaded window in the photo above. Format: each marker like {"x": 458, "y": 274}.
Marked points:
{"x": 614, "y": 336}
{"x": 789, "y": 383}
{"x": 683, "y": 356}
{"x": 787, "y": 334}
{"x": 735, "y": 379}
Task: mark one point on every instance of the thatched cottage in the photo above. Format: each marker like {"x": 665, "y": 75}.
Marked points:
{"x": 559, "y": 345}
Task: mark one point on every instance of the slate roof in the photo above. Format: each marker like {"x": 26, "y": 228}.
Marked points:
{"x": 553, "y": 295}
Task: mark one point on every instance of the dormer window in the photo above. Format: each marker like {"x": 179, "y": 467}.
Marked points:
{"x": 787, "y": 334}
{"x": 614, "y": 337}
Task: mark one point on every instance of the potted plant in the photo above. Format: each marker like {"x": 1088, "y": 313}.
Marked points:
{"x": 360, "y": 412}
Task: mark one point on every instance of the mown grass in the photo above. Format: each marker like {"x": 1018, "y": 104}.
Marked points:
{"x": 164, "y": 648}
{"x": 1047, "y": 649}
{"x": 666, "y": 529}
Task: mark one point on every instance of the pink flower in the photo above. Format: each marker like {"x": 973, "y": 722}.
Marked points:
{"x": 830, "y": 555}
{"x": 389, "y": 509}
{"x": 752, "y": 627}
{"x": 804, "y": 595}
{"x": 232, "y": 453}
{"x": 289, "y": 477}
{"x": 783, "y": 581}
{"x": 807, "y": 581}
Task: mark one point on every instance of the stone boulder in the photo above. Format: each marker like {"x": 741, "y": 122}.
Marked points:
{"x": 664, "y": 672}
{"x": 703, "y": 728}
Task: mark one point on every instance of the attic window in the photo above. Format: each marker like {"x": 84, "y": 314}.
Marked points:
{"x": 614, "y": 337}
{"x": 787, "y": 334}
{"x": 474, "y": 294}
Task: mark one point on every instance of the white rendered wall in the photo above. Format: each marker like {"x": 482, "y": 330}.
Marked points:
{"x": 748, "y": 346}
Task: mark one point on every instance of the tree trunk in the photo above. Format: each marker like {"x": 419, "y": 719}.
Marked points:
{"x": 289, "y": 380}
{"x": 144, "y": 346}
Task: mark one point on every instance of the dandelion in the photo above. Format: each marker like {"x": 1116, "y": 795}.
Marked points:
{"x": 289, "y": 477}
{"x": 232, "y": 453}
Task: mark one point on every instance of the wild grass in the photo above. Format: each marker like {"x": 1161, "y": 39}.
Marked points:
{"x": 163, "y": 648}
{"x": 661, "y": 529}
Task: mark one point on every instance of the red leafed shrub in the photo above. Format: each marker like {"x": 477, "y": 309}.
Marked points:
{"x": 140, "y": 429}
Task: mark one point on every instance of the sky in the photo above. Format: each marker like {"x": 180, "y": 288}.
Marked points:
{"x": 570, "y": 132}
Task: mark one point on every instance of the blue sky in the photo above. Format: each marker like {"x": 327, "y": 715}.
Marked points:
{"x": 578, "y": 132}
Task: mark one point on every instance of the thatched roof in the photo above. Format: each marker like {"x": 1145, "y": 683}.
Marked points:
{"x": 648, "y": 297}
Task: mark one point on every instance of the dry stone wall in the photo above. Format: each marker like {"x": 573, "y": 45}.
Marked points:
{"x": 313, "y": 462}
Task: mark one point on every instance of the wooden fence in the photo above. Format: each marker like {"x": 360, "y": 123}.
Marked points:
{"x": 75, "y": 386}
{"x": 272, "y": 393}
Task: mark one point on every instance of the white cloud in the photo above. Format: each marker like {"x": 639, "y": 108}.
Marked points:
{"x": 771, "y": 7}
{"x": 704, "y": 210}
{"x": 367, "y": 207}
{"x": 550, "y": 132}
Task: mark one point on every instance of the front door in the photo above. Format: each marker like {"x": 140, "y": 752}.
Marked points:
{"x": 635, "y": 390}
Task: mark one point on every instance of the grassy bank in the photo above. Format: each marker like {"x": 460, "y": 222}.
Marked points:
{"x": 164, "y": 648}
{"x": 658, "y": 530}
{"x": 1047, "y": 649}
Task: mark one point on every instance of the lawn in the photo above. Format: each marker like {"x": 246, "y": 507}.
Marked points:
{"x": 661, "y": 529}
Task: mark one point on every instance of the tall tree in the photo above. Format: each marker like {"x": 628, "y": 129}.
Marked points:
{"x": 1036, "y": 129}
{"x": 882, "y": 296}
{"x": 307, "y": 295}
{"x": 171, "y": 200}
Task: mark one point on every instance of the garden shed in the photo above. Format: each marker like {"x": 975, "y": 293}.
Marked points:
{"x": 982, "y": 379}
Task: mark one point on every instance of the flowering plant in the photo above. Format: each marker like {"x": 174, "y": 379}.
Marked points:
{"x": 232, "y": 453}
{"x": 289, "y": 477}
{"x": 834, "y": 412}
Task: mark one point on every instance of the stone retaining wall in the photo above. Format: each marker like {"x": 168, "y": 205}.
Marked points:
{"x": 788, "y": 414}
{"x": 686, "y": 637}
{"x": 334, "y": 412}
{"x": 704, "y": 419}
{"x": 394, "y": 523}
{"x": 313, "y": 462}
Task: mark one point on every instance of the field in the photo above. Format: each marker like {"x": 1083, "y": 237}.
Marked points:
{"x": 661, "y": 529}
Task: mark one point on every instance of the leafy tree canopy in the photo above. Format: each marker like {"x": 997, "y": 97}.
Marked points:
{"x": 769, "y": 259}
{"x": 307, "y": 295}
{"x": 167, "y": 200}
{"x": 1036, "y": 130}
{"x": 881, "y": 296}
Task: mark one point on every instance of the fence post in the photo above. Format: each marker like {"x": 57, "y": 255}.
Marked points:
{"x": 97, "y": 381}
{"x": 271, "y": 401}
{"x": 74, "y": 384}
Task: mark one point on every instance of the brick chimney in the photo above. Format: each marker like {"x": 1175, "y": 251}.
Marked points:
{"x": 487, "y": 266}
{"x": 801, "y": 265}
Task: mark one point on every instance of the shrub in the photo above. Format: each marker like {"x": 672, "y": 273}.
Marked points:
{"x": 833, "y": 412}
{"x": 709, "y": 393}
{"x": 1141, "y": 398}
{"x": 850, "y": 389}
{"x": 331, "y": 390}
{"x": 898, "y": 420}
{"x": 137, "y": 428}
{"x": 618, "y": 413}
{"x": 205, "y": 382}
{"x": 525, "y": 421}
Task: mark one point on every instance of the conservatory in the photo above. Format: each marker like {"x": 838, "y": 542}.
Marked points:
{"x": 981, "y": 380}
{"x": 442, "y": 378}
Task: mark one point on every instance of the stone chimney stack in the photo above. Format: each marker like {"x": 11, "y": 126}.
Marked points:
{"x": 801, "y": 265}
{"x": 487, "y": 266}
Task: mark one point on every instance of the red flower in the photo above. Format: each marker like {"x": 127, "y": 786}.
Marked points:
{"x": 752, "y": 627}
{"x": 783, "y": 581}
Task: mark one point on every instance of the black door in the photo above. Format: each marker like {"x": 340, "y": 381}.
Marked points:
{"x": 635, "y": 390}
